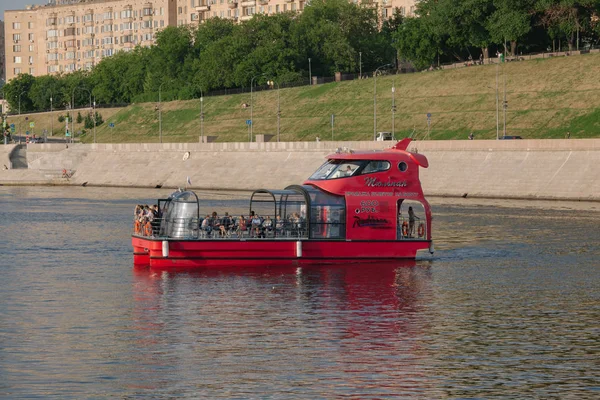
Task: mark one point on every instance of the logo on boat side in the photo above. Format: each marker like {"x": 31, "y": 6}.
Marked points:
{"x": 370, "y": 222}
{"x": 374, "y": 182}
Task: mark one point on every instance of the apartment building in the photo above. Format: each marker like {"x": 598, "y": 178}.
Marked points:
{"x": 70, "y": 35}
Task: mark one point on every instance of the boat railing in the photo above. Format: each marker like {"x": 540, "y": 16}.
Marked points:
{"x": 190, "y": 228}
{"x": 417, "y": 229}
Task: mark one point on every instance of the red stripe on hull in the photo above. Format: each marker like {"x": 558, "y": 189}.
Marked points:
{"x": 249, "y": 253}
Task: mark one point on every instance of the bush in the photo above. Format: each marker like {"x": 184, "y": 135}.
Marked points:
{"x": 61, "y": 118}
{"x": 79, "y": 117}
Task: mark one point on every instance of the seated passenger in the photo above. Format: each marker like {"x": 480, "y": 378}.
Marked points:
{"x": 241, "y": 225}
{"x": 206, "y": 225}
{"x": 349, "y": 171}
{"x": 268, "y": 224}
{"x": 279, "y": 225}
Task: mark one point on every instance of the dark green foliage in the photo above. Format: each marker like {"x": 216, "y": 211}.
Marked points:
{"x": 61, "y": 118}
{"x": 79, "y": 117}
{"x": 336, "y": 35}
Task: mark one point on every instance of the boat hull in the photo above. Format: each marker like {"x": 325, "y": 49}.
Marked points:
{"x": 190, "y": 254}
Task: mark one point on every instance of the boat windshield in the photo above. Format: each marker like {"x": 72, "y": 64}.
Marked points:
{"x": 334, "y": 169}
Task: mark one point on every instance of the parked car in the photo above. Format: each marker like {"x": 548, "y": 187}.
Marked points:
{"x": 381, "y": 136}
{"x": 509, "y": 137}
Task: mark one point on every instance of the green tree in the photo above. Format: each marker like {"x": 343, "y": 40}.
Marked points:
{"x": 510, "y": 22}
{"x": 17, "y": 93}
{"x": 416, "y": 41}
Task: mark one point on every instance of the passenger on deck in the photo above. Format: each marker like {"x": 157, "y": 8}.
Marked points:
{"x": 240, "y": 225}
{"x": 349, "y": 171}
{"x": 206, "y": 224}
{"x": 268, "y": 224}
{"x": 279, "y": 225}
{"x": 227, "y": 222}
{"x": 411, "y": 221}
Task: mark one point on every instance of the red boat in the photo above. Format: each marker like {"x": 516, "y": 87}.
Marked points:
{"x": 357, "y": 207}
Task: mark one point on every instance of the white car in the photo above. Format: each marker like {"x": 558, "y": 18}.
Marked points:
{"x": 382, "y": 136}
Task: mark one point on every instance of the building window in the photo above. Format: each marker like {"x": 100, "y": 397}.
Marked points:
{"x": 30, "y": 60}
{"x": 16, "y": 37}
{"x": 16, "y": 25}
{"x": 70, "y": 19}
{"x": 31, "y": 48}
{"x": 16, "y": 48}
{"x": 17, "y": 71}
{"x": 31, "y": 71}
{"x": 17, "y": 59}
{"x": 30, "y": 25}
{"x": 31, "y": 36}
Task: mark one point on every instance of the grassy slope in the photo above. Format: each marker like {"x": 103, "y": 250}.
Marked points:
{"x": 546, "y": 98}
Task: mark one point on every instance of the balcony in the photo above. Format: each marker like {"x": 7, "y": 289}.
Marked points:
{"x": 245, "y": 17}
{"x": 251, "y": 3}
{"x": 289, "y": 1}
{"x": 203, "y": 6}
{"x": 263, "y": 2}
{"x": 232, "y": 3}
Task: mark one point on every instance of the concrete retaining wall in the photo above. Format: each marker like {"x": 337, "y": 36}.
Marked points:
{"x": 540, "y": 169}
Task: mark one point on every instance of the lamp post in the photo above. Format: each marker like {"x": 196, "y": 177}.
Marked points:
{"x": 375, "y": 101}
{"x": 252, "y": 106}
{"x": 20, "y": 133}
{"x": 309, "y": 73}
{"x": 504, "y": 103}
{"x": 51, "y": 117}
{"x": 201, "y": 116}
{"x": 360, "y": 65}
{"x": 94, "y": 118}
{"x": 159, "y": 114}
{"x": 497, "y": 103}
{"x": 270, "y": 83}
{"x": 393, "y": 106}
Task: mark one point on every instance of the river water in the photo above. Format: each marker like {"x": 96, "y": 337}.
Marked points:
{"x": 509, "y": 306}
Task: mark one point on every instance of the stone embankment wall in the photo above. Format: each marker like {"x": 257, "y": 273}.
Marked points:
{"x": 531, "y": 169}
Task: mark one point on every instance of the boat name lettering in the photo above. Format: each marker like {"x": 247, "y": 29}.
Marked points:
{"x": 370, "y": 222}
{"x": 374, "y": 182}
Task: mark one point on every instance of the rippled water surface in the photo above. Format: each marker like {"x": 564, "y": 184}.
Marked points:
{"x": 509, "y": 307}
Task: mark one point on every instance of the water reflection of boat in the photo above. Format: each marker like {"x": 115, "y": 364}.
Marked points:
{"x": 357, "y": 207}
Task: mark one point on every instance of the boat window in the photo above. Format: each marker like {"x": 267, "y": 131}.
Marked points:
{"x": 181, "y": 216}
{"x": 327, "y": 214}
{"x": 376, "y": 166}
{"x": 402, "y": 166}
{"x": 334, "y": 169}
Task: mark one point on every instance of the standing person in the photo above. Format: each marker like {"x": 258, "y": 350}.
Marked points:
{"x": 568, "y": 135}
{"x": 481, "y": 59}
{"x": 411, "y": 221}
{"x": 471, "y": 136}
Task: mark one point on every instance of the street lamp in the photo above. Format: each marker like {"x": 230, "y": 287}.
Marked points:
{"x": 375, "y": 102}
{"x": 360, "y": 65}
{"x": 270, "y": 83}
{"x": 51, "y": 117}
{"x": 393, "y": 106}
{"x": 20, "y": 133}
{"x": 251, "y": 106}
{"x": 159, "y": 114}
{"x": 497, "y": 103}
{"x": 201, "y": 116}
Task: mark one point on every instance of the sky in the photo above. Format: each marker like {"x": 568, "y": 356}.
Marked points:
{"x": 16, "y": 5}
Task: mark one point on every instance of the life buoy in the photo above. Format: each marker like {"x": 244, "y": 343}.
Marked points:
{"x": 421, "y": 230}
{"x": 137, "y": 227}
{"x": 186, "y": 155}
{"x": 148, "y": 229}
{"x": 405, "y": 228}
